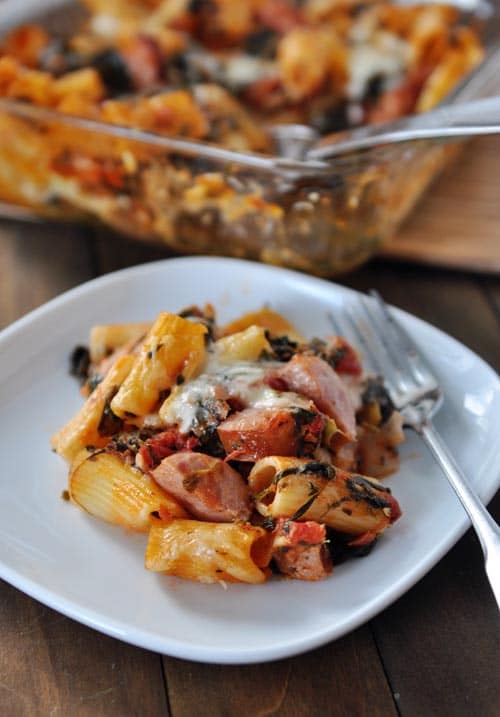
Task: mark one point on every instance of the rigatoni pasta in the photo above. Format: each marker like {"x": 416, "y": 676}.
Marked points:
{"x": 106, "y": 339}
{"x": 111, "y": 489}
{"x": 207, "y": 552}
{"x": 236, "y": 449}
{"x": 87, "y": 427}
{"x": 234, "y": 75}
{"x": 246, "y": 345}
{"x": 314, "y": 490}
{"x": 172, "y": 350}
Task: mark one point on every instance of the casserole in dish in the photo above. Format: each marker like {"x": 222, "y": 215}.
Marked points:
{"x": 160, "y": 118}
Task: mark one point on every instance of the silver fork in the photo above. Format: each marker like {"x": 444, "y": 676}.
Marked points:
{"x": 415, "y": 392}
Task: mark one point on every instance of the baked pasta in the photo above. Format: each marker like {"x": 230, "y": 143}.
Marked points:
{"x": 226, "y": 74}
{"x": 241, "y": 450}
{"x": 222, "y": 71}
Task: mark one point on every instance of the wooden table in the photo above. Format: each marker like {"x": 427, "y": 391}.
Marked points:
{"x": 434, "y": 652}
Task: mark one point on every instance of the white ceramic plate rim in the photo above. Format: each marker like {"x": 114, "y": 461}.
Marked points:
{"x": 239, "y": 654}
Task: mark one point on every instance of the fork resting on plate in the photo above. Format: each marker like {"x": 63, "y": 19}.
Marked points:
{"x": 415, "y": 392}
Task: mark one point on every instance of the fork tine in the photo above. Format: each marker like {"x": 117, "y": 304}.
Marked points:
{"x": 336, "y": 324}
{"x": 418, "y": 398}
{"x": 376, "y": 353}
{"x": 346, "y": 324}
{"x": 403, "y": 346}
{"x": 383, "y": 343}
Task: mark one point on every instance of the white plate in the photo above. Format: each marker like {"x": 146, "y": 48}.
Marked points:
{"x": 94, "y": 572}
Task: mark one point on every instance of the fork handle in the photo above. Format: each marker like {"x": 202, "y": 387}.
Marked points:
{"x": 486, "y": 529}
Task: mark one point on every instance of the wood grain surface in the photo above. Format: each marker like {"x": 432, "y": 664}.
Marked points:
{"x": 434, "y": 652}
{"x": 457, "y": 225}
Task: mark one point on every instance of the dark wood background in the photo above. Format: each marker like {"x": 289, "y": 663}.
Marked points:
{"x": 434, "y": 652}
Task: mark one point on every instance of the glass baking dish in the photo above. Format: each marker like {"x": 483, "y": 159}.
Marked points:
{"x": 319, "y": 217}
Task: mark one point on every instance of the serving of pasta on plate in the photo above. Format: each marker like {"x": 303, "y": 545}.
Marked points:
{"x": 242, "y": 450}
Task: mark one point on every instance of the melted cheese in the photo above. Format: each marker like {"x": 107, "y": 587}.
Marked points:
{"x": 241, "y": 380}
{"x": 104, "y": 25}
{"x": 241, "y": 70}
{"x": 386, "y": 56}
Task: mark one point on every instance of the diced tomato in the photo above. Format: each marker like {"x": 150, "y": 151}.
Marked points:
{"x": 311, "y": 435}
{"x": 164, "y": 444}
{"x": 308, "y": 532}
{"x": 348, "y": 361}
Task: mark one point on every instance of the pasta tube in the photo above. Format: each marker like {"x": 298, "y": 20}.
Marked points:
{"x": 107, "y": 487}
{"x": 172, "y": 351}
{"x": 246, "y": 345}
{"x": 83, "y": 429}
{"x": 264, "y": 471}
{"x": 274, "y": 322}
{"x": 107, "y": 338}
{"x": 209, "y": 552}
{"x": 309, "y": 490}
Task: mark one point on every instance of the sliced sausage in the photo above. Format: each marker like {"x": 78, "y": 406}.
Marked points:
{"x": 300, "y": 550}
{"x": 207, "y": 487}
{"x": 314, "y": 378}
{"x": 257, "y": 432}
